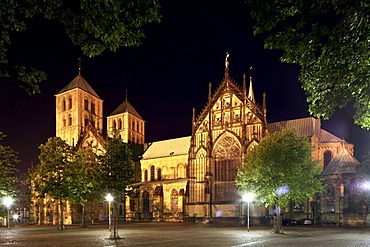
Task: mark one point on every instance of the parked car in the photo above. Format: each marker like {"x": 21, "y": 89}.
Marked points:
{"x": 289, "y": 222}
{"x": 305, "y": 221}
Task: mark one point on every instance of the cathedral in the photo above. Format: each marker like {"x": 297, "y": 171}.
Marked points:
{"x": 192, "y": 178}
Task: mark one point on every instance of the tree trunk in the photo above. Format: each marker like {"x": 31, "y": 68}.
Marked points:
{"x": 277, "y": 224}
{"x": 114, "y": 230}
{"x": 61, "y": 216}
{"x": 83, "y": 219}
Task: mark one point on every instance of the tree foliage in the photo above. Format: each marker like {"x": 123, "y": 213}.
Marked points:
{"x": 280, "y": 169}
{"x": 60, "y": 174}
{"x": 329, "y": 40}
{"x": 8, "y": 172}
{"x": 95, "y": 26}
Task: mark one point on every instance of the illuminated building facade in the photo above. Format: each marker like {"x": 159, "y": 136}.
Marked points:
{"x": 193, "y": 177}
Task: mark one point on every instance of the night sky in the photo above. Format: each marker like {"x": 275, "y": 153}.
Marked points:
{"x": 165, "y": 77}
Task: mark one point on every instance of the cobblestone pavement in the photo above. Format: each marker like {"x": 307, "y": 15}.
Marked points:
{"x": 183, "y": 234}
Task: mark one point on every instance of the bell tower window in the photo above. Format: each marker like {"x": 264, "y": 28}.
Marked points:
{"x": 86, "y": 104}
{"x": 92, "y": 107}
{"x": 70, "y": 102}
{"x": 64, "y": 105}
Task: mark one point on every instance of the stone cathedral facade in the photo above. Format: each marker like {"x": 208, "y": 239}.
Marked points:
{"x": 192, "y": 178}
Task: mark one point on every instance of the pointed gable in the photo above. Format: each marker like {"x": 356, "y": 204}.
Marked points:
{"x": 126, "y": 107}
{"x": 90, "y": 133}
{"x": 228, "y": 86}
{"x": 81, "y": 83}
{"x": 343, "y": 163}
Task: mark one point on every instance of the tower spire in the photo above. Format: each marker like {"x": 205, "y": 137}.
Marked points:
{"x": 79, "y": 66}
{"x": 244, "y": 88}
{"x": 209, "y": 91}
{"x": 250, "y": 93}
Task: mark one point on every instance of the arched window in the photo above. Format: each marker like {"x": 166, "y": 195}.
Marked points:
{"x": 64, "y": 105}
{"x": 159, "y": 174}
{"x": 92, "y": 107}
{"x": 114, "y": 124}
{"x": 152, "y": 170}
{"x": 70, "y": 120}
{"x": 327, "y": 157}
{"x": 146, "y": 201}
{"x": 86, "y": 121}
{"x": 86, "y": 104}
{"x": 120, "y": 124}
{"x": 146, "y": 175}
{"x": 228, "y": 159}
{"x": 70, "y": 102}
{"x": 174, "y": 201}
{"x": 64, "y": 122}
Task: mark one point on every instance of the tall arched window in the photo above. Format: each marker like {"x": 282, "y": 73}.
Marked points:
{"x": 145, "y": 202}
{"x": 146, "y": 175}
{"x": 327, "y": 157}
{"x": 64, "y": 105}
{"x": 159, "y": 174}
{"x": 227, "y": 160}
{"x": 120, "y": 124}
{"x": 152, "y": 171}
{"x": 70, "y": 102}
{"x": 86, "y": 104}
{"x": 70, "y": 120}
{"x": 174, "y": 201}
{"x": 114, "y": 124}
{"x": 93, "y": 107}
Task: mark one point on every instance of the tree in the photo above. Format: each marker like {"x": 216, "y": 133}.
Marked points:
{"x": 329, "y": 40}
{"x": 95, "y": 26}
{"x": 91, "y": 167}
{"x": 117, "y": 174}
{"x": 60, "y": 175}
{"x": 280, "y": 170}
{"x": 8, "y": 172}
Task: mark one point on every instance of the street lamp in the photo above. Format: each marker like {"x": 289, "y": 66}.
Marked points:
{"x": 209, "y": 181}
{"x": 248, "y": 197}
{"x": 8, "y": 201}
{"x": 109, "y": 198}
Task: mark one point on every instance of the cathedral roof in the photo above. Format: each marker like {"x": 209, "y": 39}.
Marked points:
{"x": 177, "y": 146}
{"x": 126, "y": 107}
{"x": 81, "y": 83}
{"x": 305, "y": 127}
{"x": 343, "y": 163}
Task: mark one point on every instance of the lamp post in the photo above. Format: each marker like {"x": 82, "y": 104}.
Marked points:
{"x": 209, "y": 181}
{"x": 248, "y": 197}
{"x": 8, "y": 201}
{"x": 109, "y": 198}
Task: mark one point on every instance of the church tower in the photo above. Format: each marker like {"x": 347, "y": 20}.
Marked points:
{"x": 77, "y": 107}
{"x": 127, "y": 123}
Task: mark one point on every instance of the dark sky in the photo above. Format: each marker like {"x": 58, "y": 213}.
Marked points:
{"x": 165, "y": 77}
